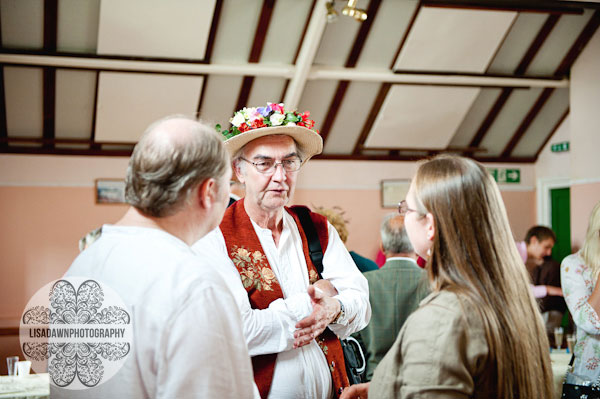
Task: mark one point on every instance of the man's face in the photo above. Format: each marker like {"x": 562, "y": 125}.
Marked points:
{"x": 538, "y": 250}
{"x": 269, "y": 191}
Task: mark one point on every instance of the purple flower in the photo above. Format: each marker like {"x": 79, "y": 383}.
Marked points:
{"x": 265, "y": 111}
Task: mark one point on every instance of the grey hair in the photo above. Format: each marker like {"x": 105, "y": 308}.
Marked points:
{"x": 393, "y": 235}
{"x": 241, "y": 153}
{"x": 169, "y": 161}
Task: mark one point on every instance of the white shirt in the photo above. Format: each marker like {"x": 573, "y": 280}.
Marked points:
{"x": 187, "y": 332}
{"x": 302, "y": 372}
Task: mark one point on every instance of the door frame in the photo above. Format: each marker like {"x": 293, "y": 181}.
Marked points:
{"x": 543, "y": 187}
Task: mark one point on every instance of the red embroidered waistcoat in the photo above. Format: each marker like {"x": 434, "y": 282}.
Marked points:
{"x": 246, "y": 252}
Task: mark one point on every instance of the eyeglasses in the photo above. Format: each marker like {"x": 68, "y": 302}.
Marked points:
{"x": 268, "y": 166}
{"x": 403, "y": 208}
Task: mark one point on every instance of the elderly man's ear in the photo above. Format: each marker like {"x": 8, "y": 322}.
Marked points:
{"x": 237, "y": 169}
{"x": 208, "y": 193}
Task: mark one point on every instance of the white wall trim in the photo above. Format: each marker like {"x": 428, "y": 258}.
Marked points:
{"x": 544, "y": 216}
{"x": 45, "y": 184}
{"x": 589, "y": 180}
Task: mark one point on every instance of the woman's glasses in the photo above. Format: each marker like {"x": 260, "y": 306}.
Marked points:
{"x": 403, "y": 208}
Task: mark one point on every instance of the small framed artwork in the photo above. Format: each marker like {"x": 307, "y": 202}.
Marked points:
{"x": 110, "y": 191}
{"x": 393, "y": 191}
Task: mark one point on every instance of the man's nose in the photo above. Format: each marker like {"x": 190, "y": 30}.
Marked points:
{"x": 279, "y": 173}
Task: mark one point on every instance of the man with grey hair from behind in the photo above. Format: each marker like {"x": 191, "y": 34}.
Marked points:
{"x": 395, "y": 291}
{"x": 187, "y": 331}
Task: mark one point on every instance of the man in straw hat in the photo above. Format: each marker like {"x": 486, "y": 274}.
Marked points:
{"x": 286, "y": 308}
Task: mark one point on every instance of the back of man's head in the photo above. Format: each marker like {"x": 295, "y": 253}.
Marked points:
{"x": 174, "y": 155}
{"x": 394, "y": 239}
{"x": 541, "y": 233}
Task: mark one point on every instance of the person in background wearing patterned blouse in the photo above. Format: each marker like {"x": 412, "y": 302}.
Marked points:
{"x": 579, "y": 274}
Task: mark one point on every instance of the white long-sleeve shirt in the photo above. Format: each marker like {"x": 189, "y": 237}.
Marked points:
{"x": 302, "y": 372}
{"x": 187, "y": 331}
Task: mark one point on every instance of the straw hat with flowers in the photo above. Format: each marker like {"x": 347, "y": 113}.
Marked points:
{"x": 251, "y": 123}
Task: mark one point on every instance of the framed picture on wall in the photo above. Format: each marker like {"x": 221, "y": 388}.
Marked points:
{"x": 110, "y": 191}
{"x": 393, "y": 191}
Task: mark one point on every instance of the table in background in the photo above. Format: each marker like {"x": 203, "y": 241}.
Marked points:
{"x": 560, "y": 362}
{"x": 33, "y": 386}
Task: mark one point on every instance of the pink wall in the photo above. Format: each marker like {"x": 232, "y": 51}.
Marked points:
{"x": 40, "y": 230}
{"x": 364, "y": 213}
{"x": 583, "y": 199}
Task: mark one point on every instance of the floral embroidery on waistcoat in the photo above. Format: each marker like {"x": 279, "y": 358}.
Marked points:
{"x": 253, "y": 268}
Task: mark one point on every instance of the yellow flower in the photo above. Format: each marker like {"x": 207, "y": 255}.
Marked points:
{"x": 268, "y": 274}
{"x": 250, "y": 273}
{"x": 257, "y": 255}
{"x": 243, "y": 252}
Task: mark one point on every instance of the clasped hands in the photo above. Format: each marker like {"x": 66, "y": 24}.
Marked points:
{"x": 325, "y": 310}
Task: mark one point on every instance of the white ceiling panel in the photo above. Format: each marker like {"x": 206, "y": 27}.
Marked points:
{"x": 129, "y": 102}
{"x": 382, "y": 42}
{"x": 75, "y": 91}
{"x": 338, "y": 40}
{"x": 22, "y": 23}
{"x": 421, "y": 116}
{"x": 265, "y": 90}
{"x": 77, "y": 29}
{"x": 351, "y": 117}
{"x": 517, "y": 42}
{"x": 24, "y": 101}
{"x": 543, "y": 124}
{"x": 458, "y": 40}
{"x": 285, "y": 31}
{"x": 220, "y": 99}
{"x": 469, "y": 126}
{"x": 508, "y": 120}
{"x": 316, "y": 98}
{"x": 557, "y": 44}
{"x": 155, "y": 28}
{"x": 235, "y": 32}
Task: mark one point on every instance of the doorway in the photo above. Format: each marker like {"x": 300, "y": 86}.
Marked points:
{"x": 560, "y": 208}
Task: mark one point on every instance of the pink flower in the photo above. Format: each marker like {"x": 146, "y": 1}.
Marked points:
{"x": 277, "y": 107}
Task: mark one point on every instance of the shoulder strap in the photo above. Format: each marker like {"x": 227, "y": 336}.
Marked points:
{"x": 314, "y": 246}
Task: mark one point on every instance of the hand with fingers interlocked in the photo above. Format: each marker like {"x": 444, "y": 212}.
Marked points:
{"x": 325, "y": 310}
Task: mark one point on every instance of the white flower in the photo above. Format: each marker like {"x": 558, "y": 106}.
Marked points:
{"x": 276, "y": 119}
{"x": 238, "y": 119}
{"x": 291, "y": 124}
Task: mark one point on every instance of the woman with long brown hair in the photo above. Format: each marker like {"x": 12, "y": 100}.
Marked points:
{"x": 479, "y": 334}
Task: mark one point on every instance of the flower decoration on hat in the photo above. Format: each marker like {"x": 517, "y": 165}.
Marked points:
{"x": 272, "y": 115}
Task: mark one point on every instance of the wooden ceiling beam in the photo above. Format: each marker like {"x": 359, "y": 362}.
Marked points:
{"x": 541, "y": 6}
{"x": 554, "y": 129}
{"x": 260, "y": 35}
{"x": 375, "y": 108}
{"x": 533, "y": 49}
{"x": 565, "y": 66}
{"x": 49, "y": 73}
{"x": 535, "y": 109}
{"x": 582, "y": 40}
{"x": 342, "y": 87}
{"x": 3, "y": 126}
{"x": 210, "y": 44}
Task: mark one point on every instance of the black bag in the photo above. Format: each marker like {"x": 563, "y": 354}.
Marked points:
{"x": 575, "y": 387}
{"x": 353, "y": 354}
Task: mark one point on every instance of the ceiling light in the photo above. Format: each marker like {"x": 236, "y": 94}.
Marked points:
{"x": 356, "y": 13}
{"x": 332, "y": 14}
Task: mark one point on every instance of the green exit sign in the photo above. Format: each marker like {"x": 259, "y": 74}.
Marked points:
{"x": 502, "y": 175}
{"x": 560, "y": 147}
